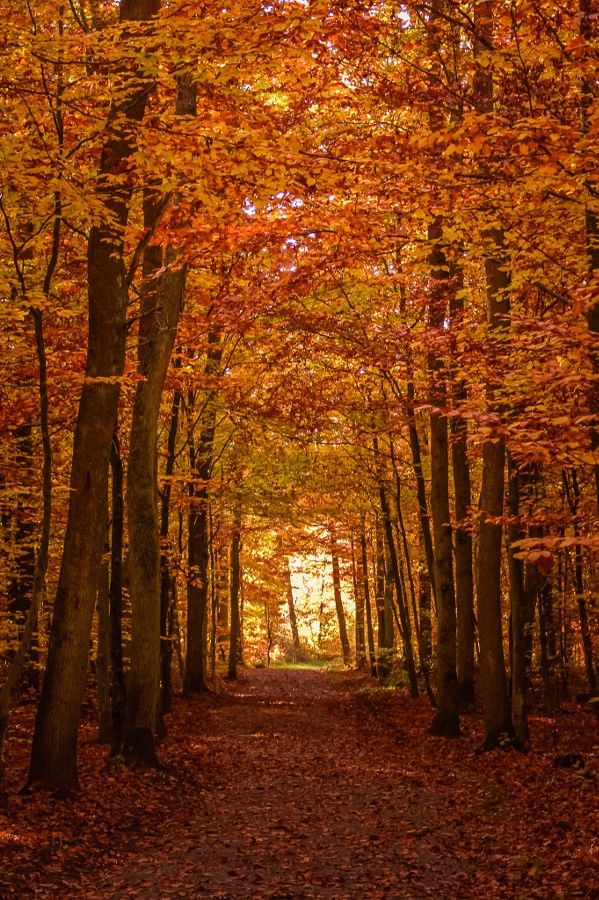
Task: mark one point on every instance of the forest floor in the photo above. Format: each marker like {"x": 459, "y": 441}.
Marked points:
{"x": 309, "y": 784}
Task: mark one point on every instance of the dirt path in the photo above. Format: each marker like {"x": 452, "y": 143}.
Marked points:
{"x": 300, "y": 784}
{"x": 293, "y": 804}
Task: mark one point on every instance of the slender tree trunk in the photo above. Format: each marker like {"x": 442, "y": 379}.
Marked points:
{"x": 103, "y": 656}
{"x": 426, "y": 609}
{"x": 425, "y": 524}
{"x": 222, "y": 588}
{"x": 446, "y": 722}
{"x": 198, "y": 587}
{"x": 494, "y": 691}
{"x": 118, "y": 687}
{"x": 345, "y": 648}
{"x": 518, "y": 613}
{"x": 9, "y": 691}
{"x": 383, "y": 607}
{"x": 572, "y": 492}
{"x": 54, "y": 749}
{"x": 493, "y": 681}
{"x": 464, "y": 578}
{"x": 23, "y": 540}
{"x": 235, "y": 582}
{"x": 403, "y": 614}
{"x": 367, "y": 604}
{"x": 166, "y": 638}
{"x": 292, "y": 615}
{"x": 361, "y": 661}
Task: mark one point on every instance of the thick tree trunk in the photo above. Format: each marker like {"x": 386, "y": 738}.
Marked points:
{"x": 157, "y": 335}
{"x": 162, "y": 292}
{"x": 54, "y": 749}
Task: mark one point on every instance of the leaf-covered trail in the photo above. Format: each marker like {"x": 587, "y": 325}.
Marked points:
{"x": 294, "y": 803}
{"x": 302, "y": 784}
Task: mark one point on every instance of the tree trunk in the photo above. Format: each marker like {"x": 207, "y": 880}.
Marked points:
{"x": 23, "y": 540}
{"x": 404, "y": 623}
{"x": 446, "y": 722}
{"x": 235, "y": 582}
{"x": 162, "y": 292}
{"x": 118, "y": 687}
{"x": 292, "y": 615}
{"x": 464, "y": 579}
{"x": 345, "y": 648}
{"x": 383, "y": 608}
{"x": 572, "y": 492}
{"x": 9, "y": 691}
{"x": 425, "y": 524}
{"x": 494, "y": 691}
{"x": 103, "y": 656}
{"x": 198, "y": 586}
{"x": 54, "y": 749}
{"x": 367, "y": 605}
{"x": 222, "y": 589}
{"x": 588, "y": 31}
{"x": 518, "y": 613}
{"x": 166, "y": 638}
{"x": 361, "y": 661}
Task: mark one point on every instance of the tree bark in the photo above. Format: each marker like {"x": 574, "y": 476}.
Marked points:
{"x": 117, "y": 669}
{"x": 361, "y": 661}
{"x": 464, "y": 577}
{"x": 518, "y": 613}
{"x": 497, "y": 715}
{"x": 404, "y": 622}
{"x": 198, "y": 586}
{"x": 54, "y": 750}
{"x": 162, "y": 293}
{"x": 446, "y": 721}
{"x": 235, "y": 582}
{"x": 367, "y": 604}
{"x": 345, "y": 648}
{"x": 292, "y": 615}
{"x": 9, "y": 691}
{"x": 103, "y": 656}
{"x": 166, "y": 637}
{"x": 383, "y": 608}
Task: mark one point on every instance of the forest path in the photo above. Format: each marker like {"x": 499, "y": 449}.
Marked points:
{"x": 311, "y": 784}
{"x": 298, "y": 794}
